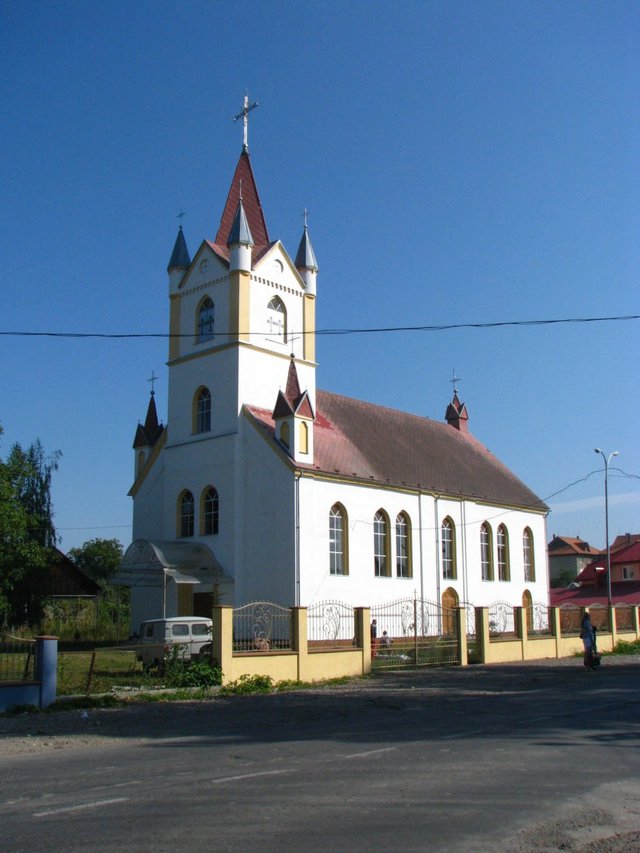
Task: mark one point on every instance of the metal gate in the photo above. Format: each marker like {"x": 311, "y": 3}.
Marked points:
{"x": 412, "y": 632}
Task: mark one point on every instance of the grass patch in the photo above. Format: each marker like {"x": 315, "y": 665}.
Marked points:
{"x": 626, "y": 647}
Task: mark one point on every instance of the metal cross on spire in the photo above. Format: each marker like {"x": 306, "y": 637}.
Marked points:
{"x": 453, "y": 380}
{"x": 152, "y": 379}
{"x": 244, "y": 115}
{"x": 180, "y": 216}
{"x": 306, "y": 216}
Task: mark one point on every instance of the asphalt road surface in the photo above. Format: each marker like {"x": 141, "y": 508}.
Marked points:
{"x": 536, "y": 757}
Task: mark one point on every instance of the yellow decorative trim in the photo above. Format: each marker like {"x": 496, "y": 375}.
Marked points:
{"x": 309, "y": 320}
{"x": 174, "y": 327}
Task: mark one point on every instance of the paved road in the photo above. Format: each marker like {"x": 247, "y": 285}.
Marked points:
{"x": 507, "y": 758}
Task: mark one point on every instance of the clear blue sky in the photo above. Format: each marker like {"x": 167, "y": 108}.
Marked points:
{"x": 463, "y": 162}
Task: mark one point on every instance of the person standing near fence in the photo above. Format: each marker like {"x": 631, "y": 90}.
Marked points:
{"x": 374, "y": 637}
{"x": 588, "y": 637}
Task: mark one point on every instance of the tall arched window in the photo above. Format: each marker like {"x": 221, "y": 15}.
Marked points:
{"x": 304, "y": 437}
{"x": 382, "y": 569}
{"x": 338, "y": 541}
{"x": 448, "y": 543}
{"x": 202, "y": 411}
{"x": 403, "y": 546}
{"x": 527, "y": 555}
{"x": 277, "y": 319}
{"x": 209, "y": 510}
{"x": 186, "y": 509}
{"x": 205, "y": 320}
{"x": 486, "y": 553}
{"x": 502, "y": 548}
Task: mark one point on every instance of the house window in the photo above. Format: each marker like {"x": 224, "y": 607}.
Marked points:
{"x": 486, "y": 553}
{"x": 448, "y": 543}
{"x": 527, "y": 556}
{"x": 502, "y": 541}
{"x": 202, "y": 411}
{"x": 381, "y": 545}
{"x": 338, "y": 540}
{"x": 186, "y": 514}
{"x": 205, "y": 320}
{"x": 209, "y": 524}
{"x": 628, "y": 573}
{"x": 277, "y": 320}
{"x": 403, "y": 553}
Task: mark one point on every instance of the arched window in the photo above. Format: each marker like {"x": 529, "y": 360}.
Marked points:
{"x": 209, "y": 510}
{"x": 448, "y": 544}
{"x": 502, "y": 543}
{"x": 277, "y": 319}
{"x": 486, "y": 553}
{"x": 205, "y": 318}
{"x": 186, "y": 513}
{"x": 338, "y": 541}
{"x": 202, "y": 411}
{"x": 381, "y": 562}
{"x": 304, "y": 437}
{"x": 403, "y": 546}
{"x": 527, "y": 555}
{"x": 284, "y": 433}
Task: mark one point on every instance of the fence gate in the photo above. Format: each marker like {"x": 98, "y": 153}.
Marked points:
{"x": 411, "y": 633}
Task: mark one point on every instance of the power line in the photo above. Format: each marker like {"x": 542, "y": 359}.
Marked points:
{"x": 443, "y": 327}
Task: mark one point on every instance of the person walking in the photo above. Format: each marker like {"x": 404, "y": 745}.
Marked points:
{"x": 588, "y": 637}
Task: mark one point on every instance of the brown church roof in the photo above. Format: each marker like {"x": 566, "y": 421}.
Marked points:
{"x": 376, "y": 444}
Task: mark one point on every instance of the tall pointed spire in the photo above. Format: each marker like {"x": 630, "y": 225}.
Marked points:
{"x": 180, "y": 256}
{"x": 243, "y": 177}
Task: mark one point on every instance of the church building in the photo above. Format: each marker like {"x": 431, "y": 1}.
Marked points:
{"x": 263, "y": 487}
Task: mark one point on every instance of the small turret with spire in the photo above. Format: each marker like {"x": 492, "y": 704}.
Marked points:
{"x": 240, "y": 242}
{"x": 305, "y": 261}
{"x": 456, "y": 414}
{"x": 179, "y": 262}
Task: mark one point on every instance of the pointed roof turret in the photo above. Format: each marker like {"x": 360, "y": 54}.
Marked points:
{"x": 147, "y": 435}
{"x": 240, "y": 233}
{"x": 180, "y": 256}
{"x": 292, "y": 401}
{"x": 243, "y": 184}
{"x": 457, "y": 415}
{"x": 305, "y": 257}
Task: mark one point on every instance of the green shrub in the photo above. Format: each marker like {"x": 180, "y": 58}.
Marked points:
{"x": 249, "y": 684}
{"x": 624, "y": 647}
{"x": 191, "y": 674}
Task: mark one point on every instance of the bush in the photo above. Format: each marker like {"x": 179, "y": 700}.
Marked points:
{"x": 624, "y": 647}
{"x": 249, "y": 684}
{"x": 191, "y": 674}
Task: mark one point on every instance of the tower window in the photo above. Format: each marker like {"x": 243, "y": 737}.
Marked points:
{"x": 277, "y": 320}
{"x": 210, "y": 507}
{"x": 186, "y": 514}
{"x": 205, "y": 320}
{"x": 202, "y": 411}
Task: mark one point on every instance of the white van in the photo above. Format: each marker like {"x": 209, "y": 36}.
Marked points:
{"x": 182, "y": 636}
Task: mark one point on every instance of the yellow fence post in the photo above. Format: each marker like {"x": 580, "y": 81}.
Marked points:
{"x": 520, "y": 624}
{"x": 300, "y": 641}
{"x": 482, "y": 633}
{"x": 613, "y": 627}
{"x": 461, "y": 629}
{"x": 222, "y": 640}
{"x": 556, "y": 627}
{"x": 363, "y": 636}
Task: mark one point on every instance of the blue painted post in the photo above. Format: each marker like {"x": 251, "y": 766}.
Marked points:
{"x": 47, "y": 668}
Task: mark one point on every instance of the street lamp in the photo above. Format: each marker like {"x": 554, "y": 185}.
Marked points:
{"x": 607, "y": 460}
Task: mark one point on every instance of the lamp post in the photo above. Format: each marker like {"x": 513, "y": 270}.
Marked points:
{"x": 607, "y": 460}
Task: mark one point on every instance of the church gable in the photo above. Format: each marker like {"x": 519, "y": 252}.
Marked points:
{"x": 206, "y": 267}
{"x": 276, "y": 267}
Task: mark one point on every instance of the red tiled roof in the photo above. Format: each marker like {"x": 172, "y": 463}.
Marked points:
{"x": 561, "y": 546}
{"x": 252, "y": 209}
{"x": 376, "y": 444}
{"x": 626, "y": 592}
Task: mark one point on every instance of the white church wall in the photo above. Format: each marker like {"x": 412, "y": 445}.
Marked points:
{"x": 265, "y": 530}
{"x": 148, "y": 517}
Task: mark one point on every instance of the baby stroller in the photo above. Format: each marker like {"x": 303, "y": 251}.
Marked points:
{"x": 596, "y": 657}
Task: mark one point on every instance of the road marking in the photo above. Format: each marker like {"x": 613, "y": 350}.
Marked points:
{"x": 370, "y": 752}
{"x": 248, "y": 776}
{"x": 81, "y": 806}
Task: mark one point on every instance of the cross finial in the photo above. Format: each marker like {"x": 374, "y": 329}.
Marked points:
{"x": 305, "y": 215}
{"x": 453, "y": 380}
{"x": 152, "y": 379}
{"x": 180, "y": 216}
{"x": 244, "y": 115}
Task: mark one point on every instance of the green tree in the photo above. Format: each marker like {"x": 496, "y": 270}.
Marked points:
{"x": 27, "y": 532}
{"x": 98, "y": 558}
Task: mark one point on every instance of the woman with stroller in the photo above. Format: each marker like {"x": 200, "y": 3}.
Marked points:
{"x": 588, "y": 637}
